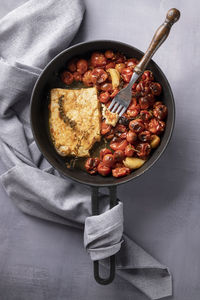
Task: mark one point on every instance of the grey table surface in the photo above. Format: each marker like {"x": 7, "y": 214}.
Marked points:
{"x": 161, "y": 208}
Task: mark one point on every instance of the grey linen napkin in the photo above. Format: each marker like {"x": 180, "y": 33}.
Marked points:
{"x": 30, "y": 37}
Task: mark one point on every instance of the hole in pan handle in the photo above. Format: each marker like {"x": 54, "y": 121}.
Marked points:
{"x": 95, "y": 211}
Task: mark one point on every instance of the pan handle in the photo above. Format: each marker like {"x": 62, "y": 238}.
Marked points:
{"x": 95, "y": 211}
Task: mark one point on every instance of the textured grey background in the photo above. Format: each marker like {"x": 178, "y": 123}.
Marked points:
{"x": 161, "y": 208}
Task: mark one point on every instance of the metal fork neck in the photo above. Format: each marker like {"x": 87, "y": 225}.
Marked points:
{"x": 134, "y": 77}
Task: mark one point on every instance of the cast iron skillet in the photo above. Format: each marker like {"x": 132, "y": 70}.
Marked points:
{"x": 39, "y": 123}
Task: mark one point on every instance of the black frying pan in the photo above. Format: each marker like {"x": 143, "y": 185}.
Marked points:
{"x": 39, "y": 123}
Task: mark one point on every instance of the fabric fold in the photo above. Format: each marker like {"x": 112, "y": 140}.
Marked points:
{"x": 30, "y": 37}
{"x": 103, "y": 233}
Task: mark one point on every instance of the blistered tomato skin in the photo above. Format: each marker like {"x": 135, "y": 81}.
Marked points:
{"x": 133, "y": 110}
{"x": 77, "y": 76}
{"x": 148, "y": 75}
{"x": 120, "y": 131}
{"x": 82, "y": 66}
{"x": 67, "y": 77}
{"x": 143, "y": 88}
{"x": 105, "y": 128}
{"x": 131, "y": 63}
{"x": 103, "y": 169}
{"x": 104, "y": 97}
{"x": 87, "y": 78}
{"x": 143, "y": 150}
{"x": 144, "y": 102}
{"x": 157, "y": 103}
{"x": 120, "y": 172}
{"x": 155, "y": 88}
{"x": 104, "y": 152}
{"x": 124, "y": 121}
{"x": 110, "y": 135}
{"x": 119, "y": 155}
{"x": 126, "y": 74}
{"x": 118, "y": 144}
{"x": 71, "y": 66}
{"x": 98, "y": 59}
{"x": 144, "y": 136}
{"x": 109, "y": 160}
{"x": 131, "y": 137}
{"x": 145, "y": 115}
{"x": 92, "y": 164}
{"x": 136, "y": 126}
{"x": 110, "y": 65}
{"x": 106, "y": 87}
{"x": 109, "y": 54}
{"x": 160, "y": 112}
{"x": 155, "y": 126}
{"x": 129, "y": 150}
{"x": 119, "y": 67}
{"x": 98, "y": 75}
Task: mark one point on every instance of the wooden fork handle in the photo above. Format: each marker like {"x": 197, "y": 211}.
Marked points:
{"x": 159, "y": 37}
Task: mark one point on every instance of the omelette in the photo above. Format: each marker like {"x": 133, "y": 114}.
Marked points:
{"x": 74, "y": 120}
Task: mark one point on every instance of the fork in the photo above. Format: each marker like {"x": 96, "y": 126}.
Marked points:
{"x": 122, "y": 100}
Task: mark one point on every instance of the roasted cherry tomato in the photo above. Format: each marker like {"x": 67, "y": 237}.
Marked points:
{"x": 98, "y": 59}
{"x": 133, "y": 110}
{"x": 109, "y": 54}
{"x": 131, "y": 62}
{"x": 144, "y": 136}
{"x": 118, "y": 144}
{"x": 104, "y": 97}
{"x": 67, "y": 77}
{"x": 110, "y": 135}
{"x": 129, "y": 150}
{"x": 119, "y": 155}
{"x": 155, "y": 126}
{"x": 143, "y": 150}
{"x": 110, "y": 65}
{"x": 120, "y": 131}
{"x": 143, "y": 88}
{"x": 82, "y": 66}
{"x": 120, "y": 172}
{"x": 109, "y": 160}
{"x": 71, "y": 66}
{"x": 155, "y": 88}
{"x": 157, "y": 103}
{"x": 136, "y": 125}
{"x": 119, "y": 67}
{"x": 144, "y": 102}
{"x": 104, "y": 151}
{"x": 105, "y": 128}
{"x": 123, "y": 120}
{"x": 145, "y": 115}
{"x": 119, "y": 58}
{"x": 103, "y": 169}
{"x": 77, "y": 76}
{"x": 151, "y": 99}
{"x": 131, "y": 137}
{"x": 126, "y": 74}
{"x": 92, "y": 164}
{"x": 87, "y": 78}
{"x": 160, "y": 112}
{"x": 148, "y": 75}
{"x": 106, "y": 87}
{"x": 98, "y": 75}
